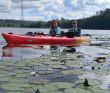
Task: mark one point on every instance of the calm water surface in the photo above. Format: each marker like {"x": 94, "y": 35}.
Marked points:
{"x": 99, "y": 46}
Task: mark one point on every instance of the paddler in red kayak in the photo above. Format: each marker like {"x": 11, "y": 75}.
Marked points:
{"x": 54, "y": 29}
{"x": 75, "y": 31}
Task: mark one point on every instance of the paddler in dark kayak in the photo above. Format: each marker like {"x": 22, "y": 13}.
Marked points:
{"x": 54, "y": 29}
{"x": 75, "y": 31}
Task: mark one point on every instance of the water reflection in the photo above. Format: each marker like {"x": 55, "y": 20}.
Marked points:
{"x": 18, "y": 50}
{"x": 30, "y": 50}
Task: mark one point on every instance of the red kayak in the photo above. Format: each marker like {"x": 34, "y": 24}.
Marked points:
{"x": 41, "y": 39}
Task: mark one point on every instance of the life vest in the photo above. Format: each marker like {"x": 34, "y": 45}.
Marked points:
{"x": 54, "y": 31}
{"x": 75, "y": 30}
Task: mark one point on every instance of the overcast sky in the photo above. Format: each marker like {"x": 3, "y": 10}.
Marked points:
{"x": 35, "y": 10}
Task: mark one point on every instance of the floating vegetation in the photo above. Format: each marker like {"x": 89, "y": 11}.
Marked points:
{"x": 62, "y": 85}
{"x": 57, "y": 75}
{"x": 88, "y": 82}
{"x": 64, "y": 71}
{"x": 15, "y": 86}
{"x": 57, "y": 66}
{"x": 102, "y": 72}
{"x": 44, "y": 72}
{"x": 74, "y": 71}
{"x": 77, "y": 90}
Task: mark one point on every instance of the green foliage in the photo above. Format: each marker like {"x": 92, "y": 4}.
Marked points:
{"x": 99, "y": 21}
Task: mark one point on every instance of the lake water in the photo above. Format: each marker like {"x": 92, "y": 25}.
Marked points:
{"x": 93, "y": 54}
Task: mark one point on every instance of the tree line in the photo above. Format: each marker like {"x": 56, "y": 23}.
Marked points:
{"x": 101, "y": 20}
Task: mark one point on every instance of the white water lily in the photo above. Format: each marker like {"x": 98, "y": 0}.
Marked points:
{"x": 33, "y": 73}
{"x": 81, "y": 77}
{"x": 53, "y": 58}
{"x": 49, "y": 69}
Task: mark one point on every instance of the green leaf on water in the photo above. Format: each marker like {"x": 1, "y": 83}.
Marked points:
{"x": 8, "y": 73}
{"x": 2, "y": 67}
{"x": 96, "y": 90}
{"x": 21, "y": 64}
{"x": 35, "y": 87}
{"x": 44, "y": 72}
{"x": 49, "y": 63}
{"x": 91, "y": 82}
{"x": 6, "y": 69}
{"x": 77, "y": 90}
{"x": 14, "y": 92}
{"x": 29, "y": 90}
{"x": 74, "y": 71}
{"x": 102, "y": 72}
{"x": 18, "y": 80}
{"x": 9, "y": 64}
{"x": 57, "y": 66}
{"x": 21, "y": 71}
{"x": 57, "y": 75}
{"x": 51, "y": 87}
{"x": 53, "y": 92}
{"x": 3, "y": 75}
{"x": 4, "y": 79}
{"x": 35, "y": 83}
{"x": 40, "y": 82}
{"x": 21, "y": 75}
{"x": 15, "y": 86}
{"x": 61, "y": 85}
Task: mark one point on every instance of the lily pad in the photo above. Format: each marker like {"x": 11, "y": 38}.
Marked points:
{"x": 14, "y": 92}
{"x": 18, "y": 80}
{"x": 53, "y": 92}
{"x": 12, "y": 87}
{"x": 50, "y": 63}
{"x": 21, "y": 75}
{"x": 57, "y": 75}
{"x": 51, "y": 87}
{"x": 44, "y": 72}
{"x": 36, "y": 64}
{"x": 35, "y": 87}
{"x": 2, "y": 67}
{"x": 91, "y": 82}
{"x": 95, "y": 90}
{"x": 9, "y": 64}
{"x": 8, "y": 73}
{"x": 4, "y": 79}
{"x": 21, "y": 71}
{"x": 29, "y": 90}
{"x": 48, "y": 88}
{"x": 15, "y": 86}
{"x": 57, "y": 66}
{"x": 6, "y": 69}
{"x": 61, "y": 85}
{"x": 25, "y": 68}
{"x": 77, "y": 90}
{"x": 74, "y": 65}
{"x": 3, "y": 75}
{"x": 74, "y": 71}
{"x": 35, "y": 83}
{"x": 102, "y": 72}
{"x": 21, "y": 64}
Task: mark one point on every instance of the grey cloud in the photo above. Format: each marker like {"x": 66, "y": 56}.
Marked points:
{"x": 81, "y": 4}
{"x": 78, "y": 6}
{"x": 26, "y": 5}
{"x": 16, "y": 1}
